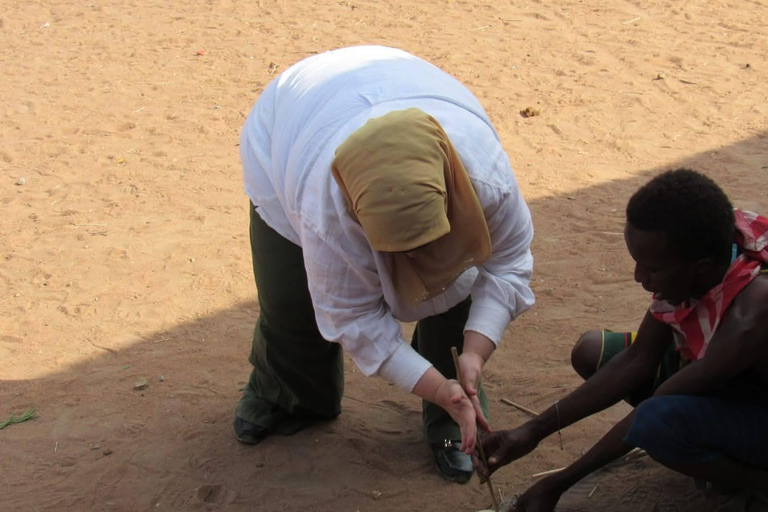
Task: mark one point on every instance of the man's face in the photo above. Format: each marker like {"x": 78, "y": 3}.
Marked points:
{"x": 657, "y": 268}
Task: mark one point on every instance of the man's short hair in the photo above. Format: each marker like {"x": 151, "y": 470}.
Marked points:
{"x": 691, "y": 209}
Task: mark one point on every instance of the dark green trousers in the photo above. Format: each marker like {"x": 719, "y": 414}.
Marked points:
{"x": 298, "y": 377}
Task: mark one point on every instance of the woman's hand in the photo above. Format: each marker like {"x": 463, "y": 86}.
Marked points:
{"x": 449, "y": 395}
{"x": 452, "y": 397}
{"x": 503, "y": 447}
{"x": 471, "y": 368}
{"x": 477, "y": 350}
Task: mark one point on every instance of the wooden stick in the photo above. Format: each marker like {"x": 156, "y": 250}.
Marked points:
{"x": 545, "y": 473}
{"x": 460, "y": 378}
{"x": 520, "y": 407}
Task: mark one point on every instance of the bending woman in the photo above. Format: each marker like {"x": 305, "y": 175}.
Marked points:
{"x": 379, "y": 193}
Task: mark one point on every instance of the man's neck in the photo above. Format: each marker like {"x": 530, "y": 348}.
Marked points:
{"x": 713, "y": 279}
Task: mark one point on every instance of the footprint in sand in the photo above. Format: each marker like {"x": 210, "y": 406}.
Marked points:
{"x": 215, "y": 493}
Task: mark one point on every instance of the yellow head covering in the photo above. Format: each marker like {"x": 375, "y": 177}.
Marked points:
{"x": 406, "y": 186}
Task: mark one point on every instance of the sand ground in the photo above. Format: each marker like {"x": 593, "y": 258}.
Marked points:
{"x": 125, "y": 250}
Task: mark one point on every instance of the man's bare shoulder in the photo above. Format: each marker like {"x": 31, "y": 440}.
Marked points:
{"x": 752, "y": 303}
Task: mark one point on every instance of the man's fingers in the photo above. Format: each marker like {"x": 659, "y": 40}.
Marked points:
{"x": 480, "y": 468}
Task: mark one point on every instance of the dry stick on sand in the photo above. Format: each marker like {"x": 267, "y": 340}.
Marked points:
{"x": 460, "y": 378}
{"x": 520, "y": 407}
{"x": 549, "y": 472}
{"x": 634, "y": 454}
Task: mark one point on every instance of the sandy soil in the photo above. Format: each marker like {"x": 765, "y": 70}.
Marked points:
{"x": 125, "y": 250}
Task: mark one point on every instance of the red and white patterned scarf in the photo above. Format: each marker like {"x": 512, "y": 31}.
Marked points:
{"x": 695, "y": 322}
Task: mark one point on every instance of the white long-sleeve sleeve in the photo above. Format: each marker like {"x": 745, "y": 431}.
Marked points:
{"x": 350, "y": 308}
{"x": 502, "y": 289}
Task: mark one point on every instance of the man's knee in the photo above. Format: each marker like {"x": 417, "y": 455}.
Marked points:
{"x": 655, "y": 416}
{"x": 665, "y": 428}
{"x": 585, "y": 355}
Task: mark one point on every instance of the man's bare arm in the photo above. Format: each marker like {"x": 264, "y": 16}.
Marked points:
{"x": 632, "y": 367}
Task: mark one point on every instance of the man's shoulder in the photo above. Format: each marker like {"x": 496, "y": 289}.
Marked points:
{"x": 752, "y": 302}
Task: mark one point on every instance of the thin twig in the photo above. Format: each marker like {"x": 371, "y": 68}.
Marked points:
{"x": 632, "y": 20}
{"x": 520, "y": 407}
{"x": 635, "y": 453}
{"x": 593, "y": 492}
{"x": 549, "y": 472}
{"x": 460, "y": 378}
{"x": 478, "y": 29}
{"x": 102, "y": 348}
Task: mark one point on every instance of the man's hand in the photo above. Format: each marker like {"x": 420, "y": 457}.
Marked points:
{"x": 503, "y": 447}
{"x": 451, "y": 397}
{"x": 540, "y": 497}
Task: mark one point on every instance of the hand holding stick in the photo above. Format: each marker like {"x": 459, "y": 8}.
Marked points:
{"x": 460, "y": 378}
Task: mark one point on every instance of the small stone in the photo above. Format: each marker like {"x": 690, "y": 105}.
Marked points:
{"x": 95, "y": 446}
{"x": 107, "y": 451}
{"x": 141, "y": 383}
{"x": 376, "y": 495}
{"x": 530, "y": 112}
{"x": 161, "y": 379}
{"x": 21, "y": 181}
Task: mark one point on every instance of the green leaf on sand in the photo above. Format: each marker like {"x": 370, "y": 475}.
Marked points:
{"x": 28, "y": 415}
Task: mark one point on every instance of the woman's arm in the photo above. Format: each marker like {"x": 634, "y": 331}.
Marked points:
{"x": 350, "y": 310}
